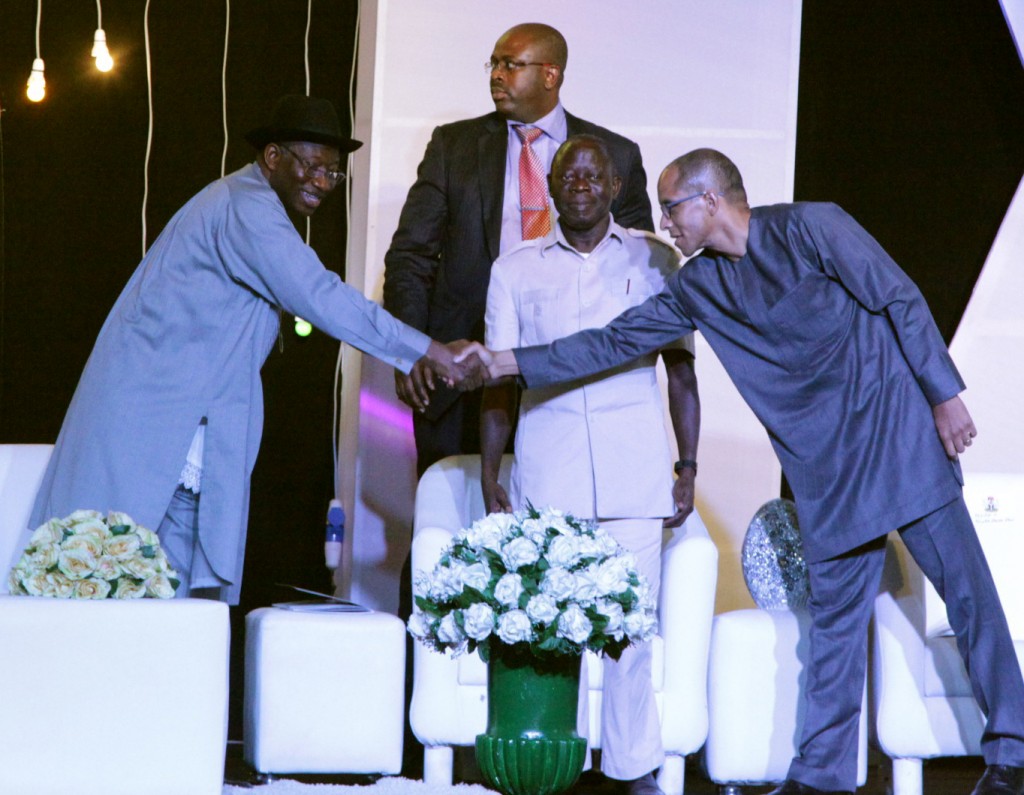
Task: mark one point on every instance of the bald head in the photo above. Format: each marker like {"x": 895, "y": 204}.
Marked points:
{"x": 706, "y": 170}
{"x": 549, "y": 41}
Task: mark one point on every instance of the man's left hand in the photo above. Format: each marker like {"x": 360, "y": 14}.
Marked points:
{"x": 955, "y": 426}
{"x": 682, "y": 497}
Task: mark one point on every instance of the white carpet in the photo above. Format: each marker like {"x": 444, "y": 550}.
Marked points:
{"x": 391, "y": 785}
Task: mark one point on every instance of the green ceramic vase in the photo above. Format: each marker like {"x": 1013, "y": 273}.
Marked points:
{"x": 531, "y": 746}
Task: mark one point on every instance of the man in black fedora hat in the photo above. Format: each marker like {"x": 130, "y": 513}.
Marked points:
{"x": 165, "y": 423}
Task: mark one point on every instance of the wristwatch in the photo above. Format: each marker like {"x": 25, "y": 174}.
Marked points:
{"x": 685, "y": 463}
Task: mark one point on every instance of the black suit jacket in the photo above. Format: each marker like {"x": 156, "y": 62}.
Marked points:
{"x": 439, "y": 263}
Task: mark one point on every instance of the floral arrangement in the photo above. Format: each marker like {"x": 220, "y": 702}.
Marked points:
{"x": 89, "y": 556}
{"x": 542, "y": 580}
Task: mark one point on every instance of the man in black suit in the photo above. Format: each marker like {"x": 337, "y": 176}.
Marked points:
{"x": 463, "y": 211}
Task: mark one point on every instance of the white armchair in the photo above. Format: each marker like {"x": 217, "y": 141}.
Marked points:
{"x": 920, "y": 691}
{"x": 449, "y": 697}
{"x": 755, "y": 702}
{"x": 104, "y": 698}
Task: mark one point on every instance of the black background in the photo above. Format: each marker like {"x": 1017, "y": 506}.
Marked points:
{"x": 911, "y": 116}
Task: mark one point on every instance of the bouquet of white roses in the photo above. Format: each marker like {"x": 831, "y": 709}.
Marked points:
{"x": 89, "y": 556}
{"x": 540, "y": 578}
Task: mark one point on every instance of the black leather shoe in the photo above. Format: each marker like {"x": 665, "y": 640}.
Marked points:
{"x": 1000, "y": 780}
{"x": 645, "y": 785}
{"x": 791, "y": 787}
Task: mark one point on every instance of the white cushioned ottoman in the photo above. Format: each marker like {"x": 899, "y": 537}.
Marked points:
{"x": 112, "y": 697}
{"x": 324, "y": 691}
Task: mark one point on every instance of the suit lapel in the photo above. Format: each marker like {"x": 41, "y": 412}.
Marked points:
{"x": 492, "y": 149}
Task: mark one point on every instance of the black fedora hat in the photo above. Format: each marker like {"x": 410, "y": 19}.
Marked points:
{"x": 300, "y": 118}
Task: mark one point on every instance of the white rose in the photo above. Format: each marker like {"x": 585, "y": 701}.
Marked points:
{"x": 609, "y": 546}
{"x": 14, "y": 582}
{"x": 421, "y": 583}
{"x": 48, "y": 533}
{"x": 554, "y": 518}
{"x": 615, "y": 615}
{"x": 477, "y": 576}
{"x": 445, "y": 583}
{"x": 487, "y": 533}
{"x": 88, "y": 541}
{"x": 514, "y": 627}
{"x": 122, "y": 547}
{"x": 147, "y": 536}
{"x": 645, "y": 599}
{"x": 115, "y": 518}
{"x": 42, "y": 556}
{"x": 448, "y": 631}
{"x": 159, "y": 586}
{"x": 518, "y": 553}
{"x": 419, "y": 625}
{"x": 589, "y": 547}
{"x": 640, "y": 625}
{"x": 127, "y": 588}
{"x": 91, "y": 589}
{"x": 558, "y": 583}
{"x": 574, "y": 626}
{"x": 478, "y": 621}
{"x": 35, "y": 584}
{"x": 94, "y": 528}
{"x": 83, "y": 518}
{"x": 56, "y": 584}
{"x": 542, "y": 609}
{"x": 587, "y": 586}
{"x": 139, "y": 567}
{"x": 535, "y": 531}
{"x": 564, "y": 551}
{"x": 613, "y": 576}
{"x": 107, "y": 568}
{"x": 508, "y": 590}
{"x": 76, "y": 564}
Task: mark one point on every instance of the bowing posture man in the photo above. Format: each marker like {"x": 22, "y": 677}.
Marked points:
{"x": 834, "y": 349}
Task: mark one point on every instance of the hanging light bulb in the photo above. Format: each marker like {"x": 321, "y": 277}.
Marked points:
{"x": 36, "y": 81}
{"x": 100, "y": 52}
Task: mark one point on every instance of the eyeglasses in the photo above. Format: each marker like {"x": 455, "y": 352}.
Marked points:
{"x": 667, "y": 207}
{"x": 509, "y": 66}
{"x": 314, "y": 171}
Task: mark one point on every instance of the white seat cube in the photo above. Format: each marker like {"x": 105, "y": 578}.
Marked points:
{"x": 324, "y": 691}
{"x": 113, "y": 697}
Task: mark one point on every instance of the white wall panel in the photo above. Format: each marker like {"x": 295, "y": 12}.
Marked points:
{"x": 672, "y": 75}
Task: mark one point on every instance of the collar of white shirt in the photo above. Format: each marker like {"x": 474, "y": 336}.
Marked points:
{"x": 557, "y": 238}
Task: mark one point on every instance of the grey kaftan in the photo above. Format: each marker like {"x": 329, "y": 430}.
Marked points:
{"x": 185, "y": 340}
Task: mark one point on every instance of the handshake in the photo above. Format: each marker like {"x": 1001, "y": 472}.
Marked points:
{"x": 460, "y": 365}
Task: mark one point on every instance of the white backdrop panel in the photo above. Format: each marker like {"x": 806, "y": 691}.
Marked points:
{"x": 671, "y": 75}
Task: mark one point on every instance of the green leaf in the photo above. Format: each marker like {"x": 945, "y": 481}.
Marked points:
{"x": 148, "y": 551}
{"x": 120, "y": 529}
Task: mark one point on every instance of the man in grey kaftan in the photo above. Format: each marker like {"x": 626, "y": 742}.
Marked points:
{"x": 834, "y": 349}
{"x": 177, "y": 363}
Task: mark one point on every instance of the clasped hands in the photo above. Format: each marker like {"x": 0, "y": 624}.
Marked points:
{"x": 455, "y": 364}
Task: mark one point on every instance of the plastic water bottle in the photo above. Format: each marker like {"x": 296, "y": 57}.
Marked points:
{"x": 335, "y": 535}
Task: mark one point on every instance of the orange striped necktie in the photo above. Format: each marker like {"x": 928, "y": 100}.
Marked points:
{"x": 533, "y": 188}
